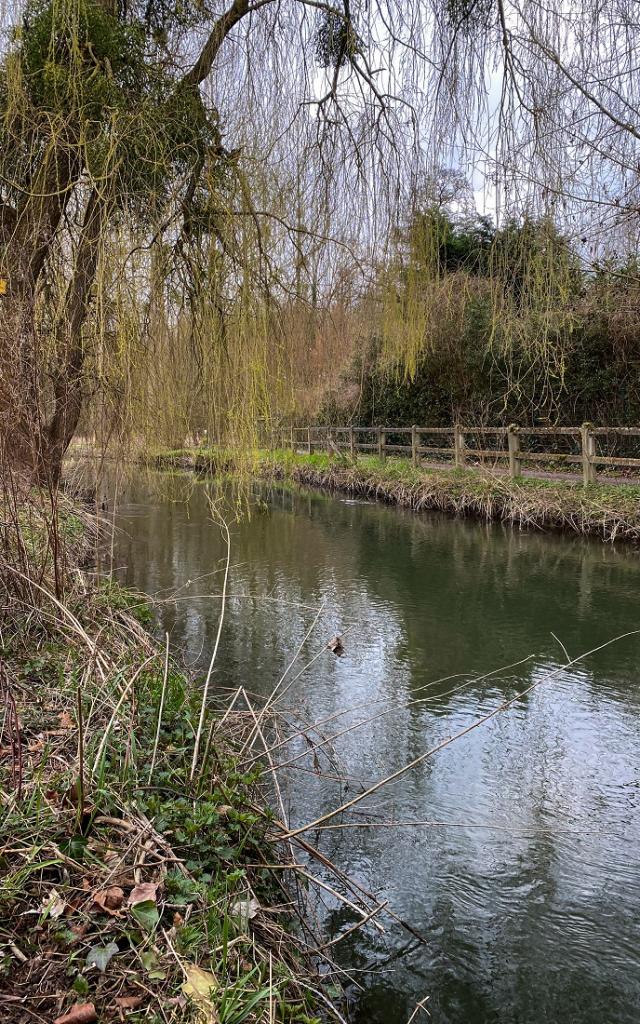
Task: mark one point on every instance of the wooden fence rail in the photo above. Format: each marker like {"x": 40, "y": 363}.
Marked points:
{"x": 467, "y": 445}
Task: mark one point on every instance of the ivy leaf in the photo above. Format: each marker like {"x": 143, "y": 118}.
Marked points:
{"x": 149, "y": 959}
{"x": 99, "y": 956}
{"x": 142, "y": 901}
{"x": 150, "y": 964}
{"x": 146, "y": 914}
{"x": 81, "y": 985}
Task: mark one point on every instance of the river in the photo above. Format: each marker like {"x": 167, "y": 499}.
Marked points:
{"x": 528, "y": 891}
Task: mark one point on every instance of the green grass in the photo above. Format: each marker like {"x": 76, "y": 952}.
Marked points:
{"x": 395, "y": 468}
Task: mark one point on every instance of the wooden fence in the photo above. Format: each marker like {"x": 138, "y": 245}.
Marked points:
{"x": 469, "y": 445}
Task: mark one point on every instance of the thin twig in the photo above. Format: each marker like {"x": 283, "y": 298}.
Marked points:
{"x": 205, "y": 691}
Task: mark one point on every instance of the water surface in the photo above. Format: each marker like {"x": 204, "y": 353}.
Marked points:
{"x": 533, "y": 919}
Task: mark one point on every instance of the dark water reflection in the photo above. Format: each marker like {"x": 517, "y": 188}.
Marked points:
{"x": 529, "y": 926}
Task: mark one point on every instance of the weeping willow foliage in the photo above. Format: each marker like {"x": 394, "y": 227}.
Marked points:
{"x": 539, "y": 104}
{"x": 117, "y": 198}
{"x": 174, "y": 177}
{"x": 516, "y": 289}
{"x": 140, "y": 288}
{"x": 170, "y": 365}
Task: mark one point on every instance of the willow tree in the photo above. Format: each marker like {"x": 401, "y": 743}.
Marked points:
{"x": 144, "y": 146}
{"x": 107, "y": 133}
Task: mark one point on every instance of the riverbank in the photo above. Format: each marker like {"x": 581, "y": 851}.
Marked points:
{"x": 609, "y": 512}
{"x": 140, "y": 876}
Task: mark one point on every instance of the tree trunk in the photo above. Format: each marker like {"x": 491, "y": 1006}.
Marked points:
{"x": 68, "y": 383}
{"x": 27, "y": 236}
{"x": 31, "y": 442}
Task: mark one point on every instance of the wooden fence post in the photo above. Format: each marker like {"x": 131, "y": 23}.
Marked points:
{"x": 588, "y": 444}
{"x": 458, "y": 444}
{"x": 352, "y": 442}
{"x": 513, "y": 438}
{"x": 308, "y": 440}
{"x": 414, "y": 445}
{"x": 381, "y": 442}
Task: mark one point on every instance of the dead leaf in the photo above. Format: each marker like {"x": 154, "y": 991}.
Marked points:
{"x": 129, "y": 1002}
{"x": 53, "y": 905}
{"x": 178, "y": 920}
{"x": 336, "y": 646}
{"x": 223, "y": 810}
{"x": 199, "y": 986}
{"x": 110, "y": 900}
{"x": 72, "y": 796}
{"x": 65, "y": 721}
{"x": 124, "y": 878}
{"x": 143, "y": 892}
{"x": 81, "y": 1013}
{"x": 246, "y": 910}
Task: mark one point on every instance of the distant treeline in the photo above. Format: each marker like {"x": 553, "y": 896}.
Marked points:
{"x": 467, "y": 322}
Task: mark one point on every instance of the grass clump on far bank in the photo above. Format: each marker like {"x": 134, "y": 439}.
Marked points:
{"x": 131, "y": 885}
{"x": 611, "y": 512}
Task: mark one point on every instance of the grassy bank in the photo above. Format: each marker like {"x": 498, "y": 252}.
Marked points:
{"x": 610, "y": 512}
{"x": 139, "y": 877}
